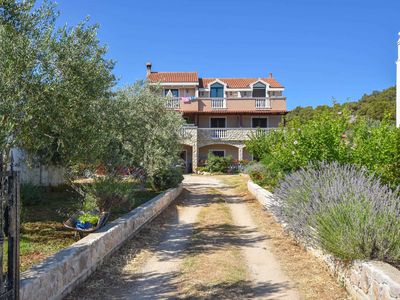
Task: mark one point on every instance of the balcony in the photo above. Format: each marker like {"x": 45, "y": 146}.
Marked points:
{"x": 227, "y": 104}
{"x": 229, "y": 134}
{"x": 218, "y": 103}
{"x": 263, "y": 103}
{"x": 173, "y": 103}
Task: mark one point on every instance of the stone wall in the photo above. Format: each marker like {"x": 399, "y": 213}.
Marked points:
{"x": 59, "y": 274}
{"x": 362, "y": 279}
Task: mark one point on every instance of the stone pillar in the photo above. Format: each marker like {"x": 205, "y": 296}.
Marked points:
{"x": 195, "y": 157}
{"x": 240, "y": 155}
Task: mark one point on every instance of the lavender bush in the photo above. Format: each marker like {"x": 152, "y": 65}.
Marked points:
{"x": 344, "y": 210}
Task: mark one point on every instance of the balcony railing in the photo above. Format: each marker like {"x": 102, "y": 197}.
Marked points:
{"x": 218, "y": 133}
{"x": 237, "y": 134}
{"x": 262, "y": 103}
{"x": 173, "y": 103}
{"x": 218, "y": 103}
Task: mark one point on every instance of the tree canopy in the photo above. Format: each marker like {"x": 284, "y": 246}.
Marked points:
{"x": 54, "y": 84}
{"x": 373, "y": 106}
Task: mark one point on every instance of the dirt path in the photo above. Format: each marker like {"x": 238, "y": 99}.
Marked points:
{"x": 206, "y": 245}
{"x": 262, "y": 264}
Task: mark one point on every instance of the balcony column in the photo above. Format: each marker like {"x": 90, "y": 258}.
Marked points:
{"x": 240, "y": 153}
{"x": 195, "y": 157}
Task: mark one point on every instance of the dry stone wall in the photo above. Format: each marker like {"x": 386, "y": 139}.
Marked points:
{"x": 60, "y": 273}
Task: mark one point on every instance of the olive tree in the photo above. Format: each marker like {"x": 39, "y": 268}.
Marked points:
{"x": 55, "y": 85}
{"x": 145, "y": 133}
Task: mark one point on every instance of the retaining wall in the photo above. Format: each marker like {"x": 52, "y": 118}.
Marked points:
{"x": 59, "y": 274}
{"x": 362, "y": 279}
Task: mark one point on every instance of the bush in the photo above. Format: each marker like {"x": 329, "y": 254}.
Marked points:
{"x": 217, "y": 164}
{"x": 31, "y": 194}
{"x": 168, "y": 178}
{"x": 331, "y": 136}
{"x": 344, "y": 210}
{"x": 106, "y": 193}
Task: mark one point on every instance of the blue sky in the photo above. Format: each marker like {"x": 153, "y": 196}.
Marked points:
{"x": 318, "y": 49}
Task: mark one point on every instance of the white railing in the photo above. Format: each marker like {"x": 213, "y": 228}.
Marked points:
{"x": 218, "y": 133}
{"x": 173, "y": 103}
{"x": 218, "y": 103}
{"x": 236, "y": 134}
{"x": 263, "y": 103}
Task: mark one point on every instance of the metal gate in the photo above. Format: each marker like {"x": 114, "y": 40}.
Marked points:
{"x": 9, "y": 234}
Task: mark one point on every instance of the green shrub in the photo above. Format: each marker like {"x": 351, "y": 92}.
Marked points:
{"x": 344, "y": 210}
{"x": 217, "y": 164}
{"x": 168, "y": 178}
{"x": 92, "y": 219}
{"x": 202, "y": 169}
{"x": 31, "y": 194}
{"x": 330, "y": 136}
{"x": 106, "y": 193}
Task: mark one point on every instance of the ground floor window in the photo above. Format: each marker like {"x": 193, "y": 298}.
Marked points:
{"x": 257, "y": 122}
{"x": 218, "y": 122}
{"x": 219, "y": 153}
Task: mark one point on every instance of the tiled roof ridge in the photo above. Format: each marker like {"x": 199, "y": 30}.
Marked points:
{"x": 155, "y": 72}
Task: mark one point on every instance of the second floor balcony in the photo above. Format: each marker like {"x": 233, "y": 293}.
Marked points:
{"x": 222, "y": 134}
{"x": 187, "y": 104}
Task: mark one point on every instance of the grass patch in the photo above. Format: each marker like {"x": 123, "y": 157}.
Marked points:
{"x": 42, "y": 231}
{"x": 210, "y": 247}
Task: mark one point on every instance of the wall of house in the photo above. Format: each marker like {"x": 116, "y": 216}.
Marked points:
{"x": 229, "y": 150}
{"x": 273, "y": 120}
{"x": 233, "y": 121}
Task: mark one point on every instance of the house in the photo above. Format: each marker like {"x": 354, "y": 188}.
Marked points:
{"x": 220, "y": 113}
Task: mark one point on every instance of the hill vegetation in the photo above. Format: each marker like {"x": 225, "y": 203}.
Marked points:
{"x": 373, "y": 106}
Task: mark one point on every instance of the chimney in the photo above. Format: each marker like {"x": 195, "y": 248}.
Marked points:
{"x": 148, "y": 68}
{"x": 270, "y": 75}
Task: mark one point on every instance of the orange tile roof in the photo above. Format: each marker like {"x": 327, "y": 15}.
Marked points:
{"x": 239, "y": 82}
{"x": 203, "y": 82}
{"x": 173, "y": 77}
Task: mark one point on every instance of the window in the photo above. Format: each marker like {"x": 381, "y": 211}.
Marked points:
{"x": 217, "y": 90}
{"x": 171, "y": 92}
{"x": 219, "y": 153}
{"x": 259, "y": 123}
{"x": 259, "y": 90}
{"x": 218, "y": 122}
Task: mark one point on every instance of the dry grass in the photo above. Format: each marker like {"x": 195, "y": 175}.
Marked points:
{"x": 311, "y": 276}
{"x": 119, "y": 271}
{"x": 213, "y": 267}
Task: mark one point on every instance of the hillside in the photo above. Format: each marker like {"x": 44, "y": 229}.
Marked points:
{"x": 373, "y": 106}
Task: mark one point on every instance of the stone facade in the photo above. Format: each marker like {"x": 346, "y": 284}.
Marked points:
{"x": 202, "y": 137}
{"x": 60, "y": 273}
{"x": 362, "y": 279}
